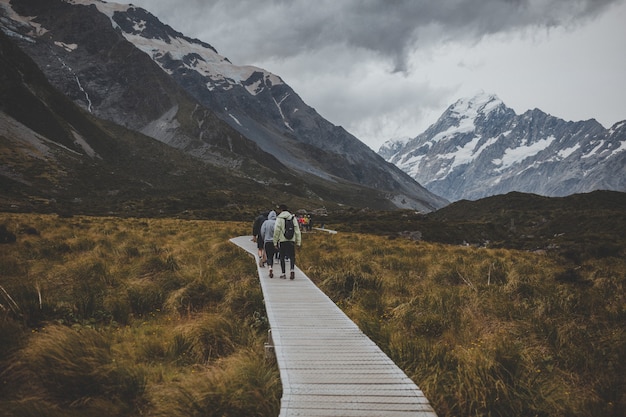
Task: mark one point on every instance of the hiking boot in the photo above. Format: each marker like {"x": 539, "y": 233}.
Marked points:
{"x": 292, "y": 275}
{"x": 271, "y": 273}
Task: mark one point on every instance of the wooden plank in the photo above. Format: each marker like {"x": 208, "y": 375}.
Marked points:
{"x": 328, "y": 367}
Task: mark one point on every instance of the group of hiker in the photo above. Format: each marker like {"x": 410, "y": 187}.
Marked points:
{"x": 277, "y": 235}
{"x": 305, "y": 222}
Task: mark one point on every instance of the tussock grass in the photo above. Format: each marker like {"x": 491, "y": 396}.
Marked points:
{"x": 123, "y": 317}
{"x": 241, "y": 385}
{"x": 490, "y": 332}
{"x": 73, "y": 367}
{"x": 164, "y": 317}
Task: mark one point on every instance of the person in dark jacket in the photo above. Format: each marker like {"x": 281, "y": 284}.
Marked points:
{"x": 256, "y": 236}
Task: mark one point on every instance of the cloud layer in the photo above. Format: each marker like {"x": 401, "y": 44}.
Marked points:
{"x": 383, "y": 67}
{"x": 259, "y": 30}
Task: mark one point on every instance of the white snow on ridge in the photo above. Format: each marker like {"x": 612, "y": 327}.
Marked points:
{"x": 594, "y": 151}
{"x": 621, "y": 148}
{"x": 69, "y": 47}
{"x": 255, "y": 88}
{"x": 486, "y": 145}
{"x": 514, "y": 155}
{"x": 618, "y": 125}
{"x": 106, "y": 8}
{"x": 212, "y": 65}
{"x": 481, "y": 103}
{"x": 463, "y": 155}
{"x": 38, "y": 30}
{"x": 564, "y": 153}
{"x": 412, "y": 166}
{"x": 466, "y": 125}
{"x": 466, "y": 111}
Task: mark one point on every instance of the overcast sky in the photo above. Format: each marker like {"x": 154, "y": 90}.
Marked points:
{"x": 386, "y": 69}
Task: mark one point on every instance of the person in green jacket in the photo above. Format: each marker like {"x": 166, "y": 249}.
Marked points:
{"x": 287, "y": 246}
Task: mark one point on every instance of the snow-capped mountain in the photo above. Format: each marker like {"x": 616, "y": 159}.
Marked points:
{"x": 119, "y": 62}
{"x": 392, "y": 147}
{"x": 480, "y": 147}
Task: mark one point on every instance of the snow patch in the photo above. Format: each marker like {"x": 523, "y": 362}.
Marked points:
{"x": 68, "y": 47}
{"x": 465, "y": 126}
{"x": 514, "y": 155}
{"x": 235, "y": 119}
{"x": 617, "y": 126}
{"x": 140, "y": 26}
{"x": 481, "y": 103}
{"x": 594, "y": 151}
{"x": 564, "y": 153}
{"x": 255, "y": 88}
{"x": 621, "y": 148}
{"x": 463, "y": 154}
{"x": 27, "y": 21}
{"x": 103, "y": 7}
{"x": 222, "y": 73}
{"x": 412, "y": 165}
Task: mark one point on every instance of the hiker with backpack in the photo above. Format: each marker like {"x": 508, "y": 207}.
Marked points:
{"x": 267, "y": 233}
{"x": 286, "y": 237}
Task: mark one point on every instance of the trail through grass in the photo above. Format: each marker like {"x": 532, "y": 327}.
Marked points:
{"x": 125, "y": 317}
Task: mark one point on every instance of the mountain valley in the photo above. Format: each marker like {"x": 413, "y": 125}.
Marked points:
{"x": 122, "y": 65}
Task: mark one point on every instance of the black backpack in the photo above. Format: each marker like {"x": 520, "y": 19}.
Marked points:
{"x": 289, "y": 228}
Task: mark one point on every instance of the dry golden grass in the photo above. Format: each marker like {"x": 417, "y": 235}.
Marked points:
{"x": 123, "y": 317}
{"x": 485, "y": 331}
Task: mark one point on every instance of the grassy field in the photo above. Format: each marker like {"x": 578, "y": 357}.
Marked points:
{"x": 125, "y": 317}
{"x": 162, "y": 317}
{"x": 485, "y": 332}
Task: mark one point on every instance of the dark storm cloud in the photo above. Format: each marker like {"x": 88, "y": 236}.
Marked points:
{"x": 391, "y": 28}
{"x": 388, "y": 68}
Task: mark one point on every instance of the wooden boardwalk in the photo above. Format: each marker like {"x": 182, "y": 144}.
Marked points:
{"x": 328, "y": 367}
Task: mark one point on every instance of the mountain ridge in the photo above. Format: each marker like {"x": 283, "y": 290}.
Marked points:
{"x": 58, "y": 158}
{"x": 479, "y": 147}
{"x": 179, "y": 91}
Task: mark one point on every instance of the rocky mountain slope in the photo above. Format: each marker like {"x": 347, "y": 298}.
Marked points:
{"x": 479, "y": 147}
{"x": 56, "y": 157}
{"x": 120, "y": 63}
